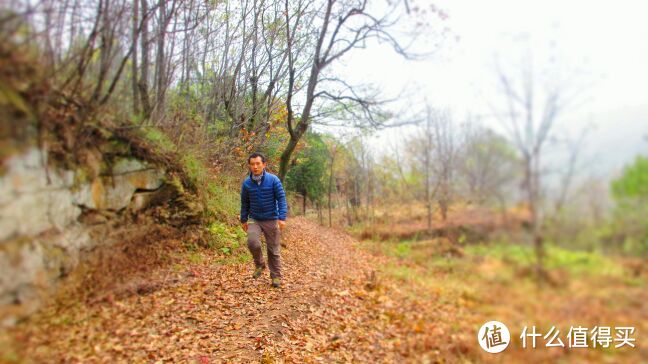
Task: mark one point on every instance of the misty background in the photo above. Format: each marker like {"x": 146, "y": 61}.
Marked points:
{"x": 602, "y": 47}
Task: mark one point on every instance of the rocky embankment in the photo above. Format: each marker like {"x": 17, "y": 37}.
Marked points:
{"x": 52, "y": 218}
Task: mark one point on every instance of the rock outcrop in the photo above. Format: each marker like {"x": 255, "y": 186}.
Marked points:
{"x": 50, "y": 216}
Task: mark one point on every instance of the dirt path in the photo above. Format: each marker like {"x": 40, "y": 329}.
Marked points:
{"x": 339, "y": 304}
{"x": 330, "y": 308}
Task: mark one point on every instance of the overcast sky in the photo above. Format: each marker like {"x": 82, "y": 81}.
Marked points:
{"x": 605, "y": 43}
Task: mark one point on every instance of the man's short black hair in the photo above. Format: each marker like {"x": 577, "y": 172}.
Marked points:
{"x": 257, "y": 154}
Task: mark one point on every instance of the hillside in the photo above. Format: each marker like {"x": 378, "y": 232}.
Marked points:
{"x": 136, "y": 138}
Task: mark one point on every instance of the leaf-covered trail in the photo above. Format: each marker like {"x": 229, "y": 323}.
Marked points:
{"x": 331, "y": 307}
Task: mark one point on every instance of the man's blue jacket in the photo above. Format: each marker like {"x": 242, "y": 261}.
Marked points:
{"x": 265, "y": 201}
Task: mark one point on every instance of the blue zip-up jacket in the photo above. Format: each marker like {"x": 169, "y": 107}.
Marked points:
{"x": 265, "y": 201}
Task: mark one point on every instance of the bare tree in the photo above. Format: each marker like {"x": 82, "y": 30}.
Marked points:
{"x": 427, "y": 151}
{"x": 488, "y": 166}
{"x": 574, "y": 148}
{"x": 436, "y": 149}
{"x": 339, "y": 26}
{"x": 134, "y": 66}
{"x": 238, "y": 65}
{"x": 446, "y": 153}
{"x": 531, "y": 111}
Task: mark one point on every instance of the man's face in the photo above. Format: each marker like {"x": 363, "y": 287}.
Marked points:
{"x": 256, "y": 165}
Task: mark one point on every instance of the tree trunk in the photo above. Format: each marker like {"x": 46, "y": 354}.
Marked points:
{"x": 538, "y": 241}
{"x": 143, "y": 84}
{"x": 304, "y": 202}
{"x": 319, "y": 213}
{"x": 443, "y": 205}
{"x": 134, "y": 68}
{"x": 160, "y": 61}
{"x": 531, "y": 186}
{"x": 285, "y": 158}
{"x": 428, "y": 197}
{"x": 330, "y": 186}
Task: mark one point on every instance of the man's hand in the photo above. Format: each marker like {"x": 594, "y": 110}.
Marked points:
{"x": 282, "y": 224}
{"x": 245, "y": 226}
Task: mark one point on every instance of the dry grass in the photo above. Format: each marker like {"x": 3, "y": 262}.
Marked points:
{"x": 461, "y": 291}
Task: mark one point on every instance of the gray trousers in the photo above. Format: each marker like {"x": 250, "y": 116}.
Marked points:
{"x": 272, "y": 235}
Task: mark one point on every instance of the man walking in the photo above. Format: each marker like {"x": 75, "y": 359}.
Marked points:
{"x": 263, "y": 209}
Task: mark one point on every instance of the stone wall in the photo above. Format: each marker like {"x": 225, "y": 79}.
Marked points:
{"x": 49, "y": 217}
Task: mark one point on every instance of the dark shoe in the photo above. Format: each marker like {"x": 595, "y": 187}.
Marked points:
{"x": 257, "y": 273}
{"x": 276, "y": 282}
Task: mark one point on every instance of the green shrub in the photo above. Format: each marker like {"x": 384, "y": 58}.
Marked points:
{"x": 629, "y": 225}
{"x": 195, "y": 169}
{"x": 225, "y": 238}
{"x": 159, "y": 139}
{"x": 223, "y": 202}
